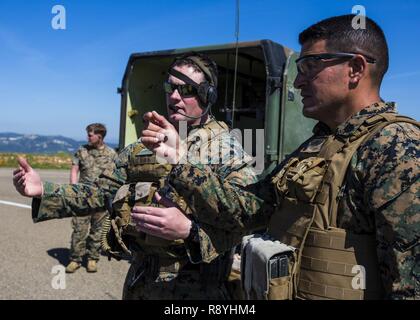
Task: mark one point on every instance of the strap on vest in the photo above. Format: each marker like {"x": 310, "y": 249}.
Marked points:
{"x": 385, "y": 118}
{"x": 329, "y": 292}
{"x": 364, "y": 133}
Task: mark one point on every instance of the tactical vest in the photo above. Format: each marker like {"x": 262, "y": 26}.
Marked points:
{"x": 327, "y": 258}
{"x": 145, "y": 176}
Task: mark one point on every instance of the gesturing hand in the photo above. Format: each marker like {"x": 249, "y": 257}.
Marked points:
{"x": 26, "y": 180}
{"x": 160, "y": 136}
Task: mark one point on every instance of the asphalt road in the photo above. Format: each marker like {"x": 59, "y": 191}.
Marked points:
{"x": 30, "y": 253}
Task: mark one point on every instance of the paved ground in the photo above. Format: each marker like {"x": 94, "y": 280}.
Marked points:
{"x": 29, "y": 252}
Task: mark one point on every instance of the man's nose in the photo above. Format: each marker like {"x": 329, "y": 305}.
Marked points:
{"x": 175, "y": 95}
{"x": 299, "y": 81}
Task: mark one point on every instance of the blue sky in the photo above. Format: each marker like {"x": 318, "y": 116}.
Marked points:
{"x": 58, "y": 81}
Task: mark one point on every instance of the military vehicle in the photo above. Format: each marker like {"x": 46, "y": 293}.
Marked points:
{"x": 265, "y": 97}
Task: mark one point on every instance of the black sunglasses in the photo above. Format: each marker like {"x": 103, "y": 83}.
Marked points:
{"x": 184, "y": 90}
{"x": 308, "y": 63}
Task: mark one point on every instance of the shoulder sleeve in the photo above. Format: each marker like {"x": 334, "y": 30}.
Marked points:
{"x": 75, "y": 160}
{"x": 390, "y": 161}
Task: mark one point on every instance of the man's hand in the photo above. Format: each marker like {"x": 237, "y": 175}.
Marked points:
{"x": 26, "y": 180}
{"x": 161, "y": 137}
{"x": 167, "y": 223}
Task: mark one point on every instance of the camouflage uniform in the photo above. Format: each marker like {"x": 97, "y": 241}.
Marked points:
{"x": 61, "y": 201}
{"x": 91, "y": 162}
{"x": 381, "y": 197}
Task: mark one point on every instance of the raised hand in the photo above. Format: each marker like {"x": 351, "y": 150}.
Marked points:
{"x": 26, "y": 180}
{"x": 160, "y": 136}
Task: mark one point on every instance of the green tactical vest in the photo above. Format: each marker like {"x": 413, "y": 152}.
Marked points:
{"x": 327, "y": 258}
{"x": 145, "y": 176}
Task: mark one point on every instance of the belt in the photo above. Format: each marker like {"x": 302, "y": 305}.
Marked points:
{"x": 154, "y": 264}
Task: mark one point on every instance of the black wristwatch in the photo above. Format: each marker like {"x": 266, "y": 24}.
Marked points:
{"x": 193, "y": 235}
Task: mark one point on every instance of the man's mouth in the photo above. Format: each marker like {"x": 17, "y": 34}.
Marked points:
{"x": 305, "y": 95}
{"x": 307, "y": 101}
{"x": 175, "y": 108}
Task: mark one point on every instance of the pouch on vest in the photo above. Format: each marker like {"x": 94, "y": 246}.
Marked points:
{"x": 266, "y": 268}
{"x": 269, "y": 266}
{"x": 301, "y": 179}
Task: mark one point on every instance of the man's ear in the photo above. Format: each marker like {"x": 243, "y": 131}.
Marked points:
{"x": 358, "y": 69}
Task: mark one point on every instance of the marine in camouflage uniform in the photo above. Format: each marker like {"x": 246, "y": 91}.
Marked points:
{"x": 86, "y": 234}
{"x": 194, "y": 257}
{"x": 380, "y": 198}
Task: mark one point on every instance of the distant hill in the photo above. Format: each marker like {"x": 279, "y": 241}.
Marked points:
{"x": 34, "y": 143}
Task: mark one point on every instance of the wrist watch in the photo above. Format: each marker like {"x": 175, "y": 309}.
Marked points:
{"x": 193, "y": 235}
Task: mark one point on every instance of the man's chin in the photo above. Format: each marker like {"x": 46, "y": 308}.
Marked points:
{"x": 175, "y": 118}
{"x": 309, "y": 111}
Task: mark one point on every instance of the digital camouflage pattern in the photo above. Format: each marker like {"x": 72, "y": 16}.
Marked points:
{"x": 92, "y": 161}
{"x": 381, "y": 197}
{"x": 185, "y": 286}
{"x": 86, "y": 235}
{"x": 59, "y": 201}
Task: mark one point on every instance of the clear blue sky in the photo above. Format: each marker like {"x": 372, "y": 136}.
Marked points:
{"x": 57, "y": 81}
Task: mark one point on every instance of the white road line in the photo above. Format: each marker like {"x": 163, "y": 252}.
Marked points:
{"x": 15, "y": 204}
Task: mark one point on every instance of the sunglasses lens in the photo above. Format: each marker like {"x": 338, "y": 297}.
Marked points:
{"x": 300, "y": 69}
{"x": 308, "y": 65}
{"x": 185, "y": 90}
{"x": 168, "y": 87}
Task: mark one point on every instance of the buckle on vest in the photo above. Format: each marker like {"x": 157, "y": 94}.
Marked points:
{"x": 296, "y": 173}
{"x": 373, "y": 120}
{"x": 361, "y": 131}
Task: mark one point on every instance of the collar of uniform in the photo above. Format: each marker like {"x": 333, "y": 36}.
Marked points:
{"x": 321, "y": 129}
{"x": 195, "y": 132}
{"x": 90, "y": 147}
{"x": 201, "y": 125}
{"x": 347, "y": 128}
{"x": 193, "y": 129}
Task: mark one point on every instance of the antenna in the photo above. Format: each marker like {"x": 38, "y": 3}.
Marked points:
{"x": 236, "y": 62}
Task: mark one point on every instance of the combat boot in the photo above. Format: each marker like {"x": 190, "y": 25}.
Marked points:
{"x": 72, "y": 267}
{"x": 91, "y": 266}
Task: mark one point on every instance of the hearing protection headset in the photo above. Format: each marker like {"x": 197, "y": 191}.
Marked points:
{"x": 206, "y": 90}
